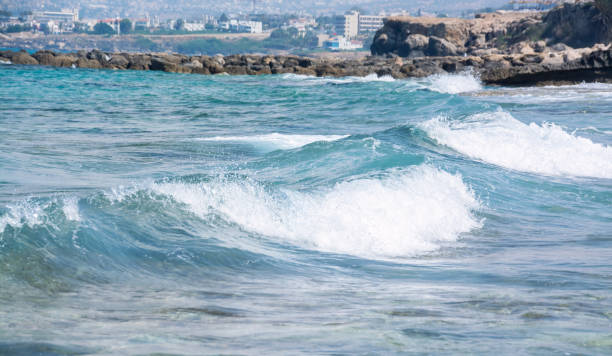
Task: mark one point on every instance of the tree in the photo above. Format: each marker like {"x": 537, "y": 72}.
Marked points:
{"x": 125, "y": 26}
{"x": 4, "y": 13}
{"x": 102, "y": 28}
{"x": 44, "y": 28}
{"x": 179, "y": 25}
{"x": 80, "y": 27}
{"x": 223, "y": 18}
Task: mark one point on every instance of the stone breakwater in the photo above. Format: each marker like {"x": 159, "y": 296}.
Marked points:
{"x": 559, "y": 67}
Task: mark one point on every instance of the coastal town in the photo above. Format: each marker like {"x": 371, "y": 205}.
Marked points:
{"x": 352, "y": 30}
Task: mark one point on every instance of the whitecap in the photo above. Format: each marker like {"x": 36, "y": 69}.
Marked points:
{"x": 372, "y": 77}
{"x": 400, "y": 214}
{"x": 500, "y": 139}
{"x": 276, "y": 140}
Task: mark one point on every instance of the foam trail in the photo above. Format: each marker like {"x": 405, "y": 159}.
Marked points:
{"x": 404, "y": 213}
{"x": 276, "y": 140}
{"x": 373, "y": 77}
{"x": 500, "y": 139}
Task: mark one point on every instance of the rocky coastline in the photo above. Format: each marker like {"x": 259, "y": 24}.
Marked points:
{"x": 561, "y": 67}
{"x": 505, "y": 48}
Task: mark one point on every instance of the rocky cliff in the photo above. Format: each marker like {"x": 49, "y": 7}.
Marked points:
{"x": 577, "y": 25}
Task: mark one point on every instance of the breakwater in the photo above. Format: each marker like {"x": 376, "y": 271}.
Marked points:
{"x": 555, "y": 67}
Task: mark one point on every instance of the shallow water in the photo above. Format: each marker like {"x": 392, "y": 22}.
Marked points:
{"x": 145, "y": 212}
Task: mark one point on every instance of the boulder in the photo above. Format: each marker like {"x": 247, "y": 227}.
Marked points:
{"x": 64, "y": 61}
{"x": 118, "y": 61}
{"x": 23, "y": 58}
{"x": 539, "y": 46}
{"x": 88, "y": 63}
{"x": 414, "y": 45}
{"x": 160, "y": 63}
{"x": 139, "y": 62}
{"x": 440, "y": 47}
{"x": 44, "y": 58}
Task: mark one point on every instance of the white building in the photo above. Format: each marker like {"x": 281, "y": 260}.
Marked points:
{"x": 302, "y": 25}
{"x": 61, "y": 17}
{"x": 370, "y": 23}
{"x": 347, "y": 25}
{"x": 242, "y": 26}
{"x": 194, "y": 26}
{"x": 341, "y": 43}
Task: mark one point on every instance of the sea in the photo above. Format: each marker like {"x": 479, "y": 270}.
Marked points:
{"x": 149, "y": 213}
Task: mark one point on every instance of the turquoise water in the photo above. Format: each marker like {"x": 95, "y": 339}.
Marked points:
{"x": 145, "y": 212}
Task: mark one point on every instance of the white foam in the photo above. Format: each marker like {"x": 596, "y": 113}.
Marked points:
{"x": 401, "y": 214}
{"x": 500, "y": 139}
{"x": 453, "y": 83}
{"x": 23, "y": 213}
{"x": 30, "y": 213}
{"x": 276, "y": 140}
{"x": 5, "y": 62}
{"x": 551, "y": 94}
{"x": 71, "y": 209}
{"x": 372, "y": 77}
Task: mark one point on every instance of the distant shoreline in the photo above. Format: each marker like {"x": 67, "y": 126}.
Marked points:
{"x": 567, "y": 67}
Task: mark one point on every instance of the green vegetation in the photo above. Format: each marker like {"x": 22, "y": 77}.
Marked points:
{"x": 125, "y": 26}
{"x": 17, "y": 28}
{"x": 279, "y": 39}
{"x": 179, "y": 25}
{"x": 102, "y": 28}
{"x": 145, "y": 44}
{"x": 4, "y": 13}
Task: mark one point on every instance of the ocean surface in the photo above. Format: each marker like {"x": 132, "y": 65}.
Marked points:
{"x": 151, "y": 213}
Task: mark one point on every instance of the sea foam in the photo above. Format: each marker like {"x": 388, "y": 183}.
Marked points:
{"x": 372, "y": 77}
{"x": 453, "y": 83}
{"x": 276, "y": 140}
{"x": 401, "y": 214}
{"x": 500, "y": 139}
{"x": 34, "y": 213}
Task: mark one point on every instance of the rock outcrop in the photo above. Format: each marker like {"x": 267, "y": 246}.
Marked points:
{"x": 526, "y": 67}
{"x": 577, "y": 25}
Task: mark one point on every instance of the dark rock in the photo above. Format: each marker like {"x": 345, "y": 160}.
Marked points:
{"x": 440, "y": 47}
{"x": 118, "y": 61}
{"x": 160, "y": 63}
{"x": 88, "y": 63}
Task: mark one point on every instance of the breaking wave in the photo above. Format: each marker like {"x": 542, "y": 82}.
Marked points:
{"x": 403, "y": 213}
{"x": 500, "y": 139}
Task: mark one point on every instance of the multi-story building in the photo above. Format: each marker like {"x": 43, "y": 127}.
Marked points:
{"x": 347, "y": 25}
{"x": 62, "y": 17}
{"x": 370, "y": 23}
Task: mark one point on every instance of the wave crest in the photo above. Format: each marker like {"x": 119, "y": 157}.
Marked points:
{"x": 500, "y": 139}
{"x": 399, "y": 215}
